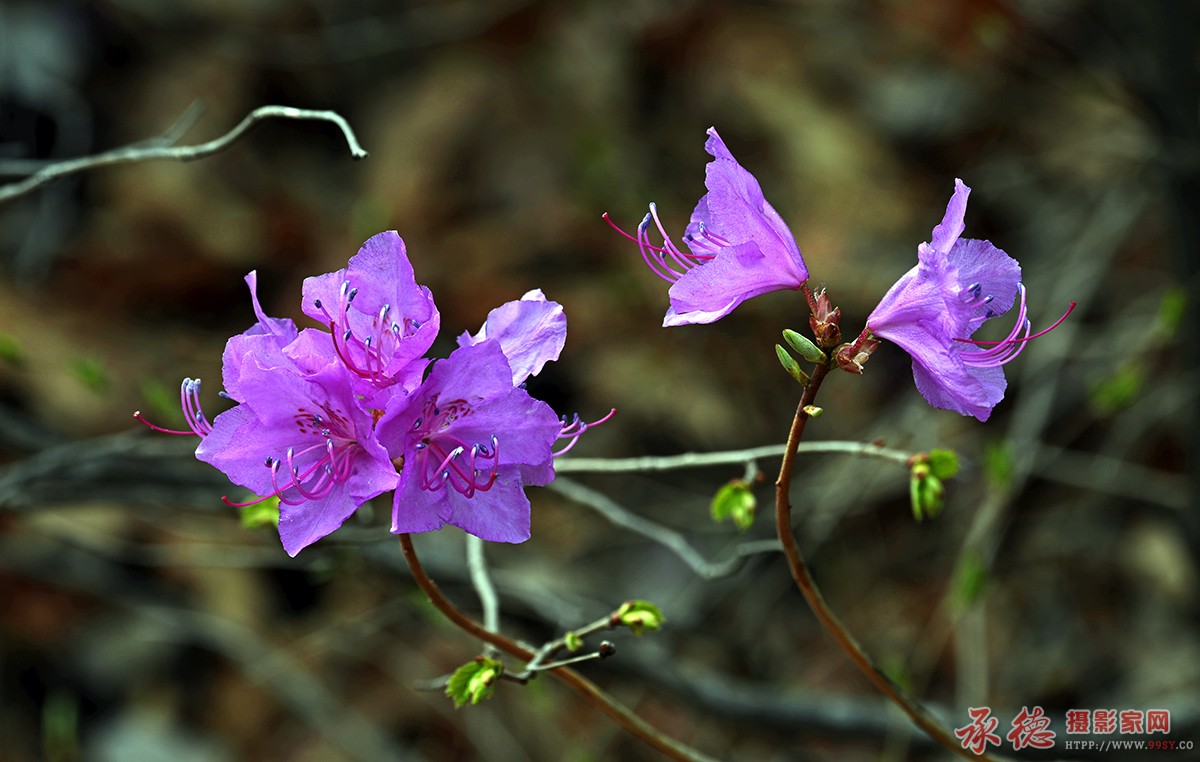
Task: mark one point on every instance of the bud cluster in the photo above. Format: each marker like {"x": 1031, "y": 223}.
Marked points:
{"x": 825, "y": 320}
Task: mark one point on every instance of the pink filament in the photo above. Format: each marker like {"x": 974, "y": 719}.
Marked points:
{"x": 375, "y": 351}
{"x": 189, "y": 400}
{"x": 1006, "y": 350}
{"x": 310, "y": 481}
{"x": 574, "y": 429}
{"x": 1043, "y": 332}
{"x": 668, "y": 261}
{"x": 460, "y": 466}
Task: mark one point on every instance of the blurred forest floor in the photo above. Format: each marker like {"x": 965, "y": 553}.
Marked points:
{"x": 140, "y": 621}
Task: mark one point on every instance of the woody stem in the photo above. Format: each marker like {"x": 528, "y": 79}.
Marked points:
{"x": 590, "y": 692}
{"x": 816, "y": 601}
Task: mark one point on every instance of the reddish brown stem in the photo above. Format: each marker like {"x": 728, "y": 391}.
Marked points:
{"x": 808, "y": 586}
{"x": 592, "y": 693}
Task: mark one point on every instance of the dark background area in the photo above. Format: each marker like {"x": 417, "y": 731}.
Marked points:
{"x": 140, "y": 621}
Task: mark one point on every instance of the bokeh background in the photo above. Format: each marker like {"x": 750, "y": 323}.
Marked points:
{"x": 140, "y": 621}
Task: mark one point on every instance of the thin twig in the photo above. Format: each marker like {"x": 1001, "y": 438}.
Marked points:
{"x": 477, "y": 565}
{"x": 920, "y": 716}
{"x": 665, "y": 536}
{"x": 548, "y": 650}
{"x": 580, "y": 684}
{"x": 701, "y": 459}
{"x": 144, "y": 152}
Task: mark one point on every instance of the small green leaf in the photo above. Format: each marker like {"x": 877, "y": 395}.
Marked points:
{"x": 943, "y": 463}
{"x": 790, "y": 365}
{"x": 805, "y": 348}
{"x": 261, "y": 514}
{"x": 640, "y": 616}
{"x": 474, "y": 681}
{"x": 573, "y": 641}
{"x": 735, "y": 502}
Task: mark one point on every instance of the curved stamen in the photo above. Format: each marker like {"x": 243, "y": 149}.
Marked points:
{"x": 711, "y": 242}
{"x": 576, "y": 428}
{"x": 998, "y": 355}
{"x": 189, "y": 400}
{"x": 442, "y": 458}
{"x": 367, "y": 344}
{"x": 232, "y": 504}
{"x": 189, "y": 393}
{"x": 322, "y": 485}
{"x": 458, "y": 466}
{"x": 1005, "y": 350}
{"x": 658, "y": 265}
{"x": 614, "y": 226}
{"x": 1039, "y": 334}
{"x": 684, "y": 261}
{"x": 668, "y": 261}
{"x": 310, "y": 481}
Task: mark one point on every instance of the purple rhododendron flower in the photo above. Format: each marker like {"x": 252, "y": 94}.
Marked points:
{"x": 531, "y": 332}
{"x": 266, "y": 338}
{"x": 468, "y": 441}
{"x": 282, "y": 329}
{"x": 303, "y": 439}
{"x": 325, "y": 419}
{"x": 934, "y": 308}
{"x": 381, "y": 322}
{"x": 738, "y": 246}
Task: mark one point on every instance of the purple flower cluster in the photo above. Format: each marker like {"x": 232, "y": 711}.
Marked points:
{"x": 329, "y": 418}
{"x": 738, "y": 247}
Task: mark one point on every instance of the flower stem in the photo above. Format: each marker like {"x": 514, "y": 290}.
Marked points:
{"x": 808, "y": 586}
{"x": 592, "y": 693}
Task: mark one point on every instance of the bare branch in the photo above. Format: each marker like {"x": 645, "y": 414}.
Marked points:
{"x": 161, "y": 148}
{"x": 588, "y": 690}
{"x": 665, "y": 536}
{"x": 477, "y": 563}
{"x": 725, "y": 457}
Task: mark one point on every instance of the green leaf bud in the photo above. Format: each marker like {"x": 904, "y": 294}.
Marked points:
{"x": 474, "y": 681}
{"x": 805, "y": 348}
{"x": 943, "y": 463}
{"x": 790, "y": 365}
{"x": 639, "y": 616}
{"x": 735, "y": 502}
{"x": 572, "y": 641}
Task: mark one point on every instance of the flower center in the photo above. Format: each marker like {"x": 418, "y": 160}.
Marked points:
{"x": 317, "y": 468}
{"x": 366, "y": 347}
{"x": 443, "y": 458}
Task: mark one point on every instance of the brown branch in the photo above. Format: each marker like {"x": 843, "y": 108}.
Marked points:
{"x": 592, "y": 693}
{"x": 920, "y": 716}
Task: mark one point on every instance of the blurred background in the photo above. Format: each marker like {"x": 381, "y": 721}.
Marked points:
{"x": 140, "y": 621}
